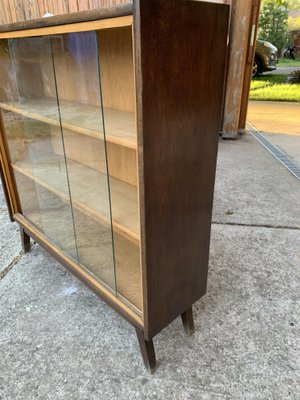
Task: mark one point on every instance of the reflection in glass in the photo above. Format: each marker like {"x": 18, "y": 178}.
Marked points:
{"x": 40, "y": 173}
{"x": 78, "y": 88}
{"x": 68, "y": 105}
{"x": 118, "y": 97}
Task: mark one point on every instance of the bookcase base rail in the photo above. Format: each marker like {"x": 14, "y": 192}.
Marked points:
{"x": 28, "y": 230}
{"x": 146, "y": 346}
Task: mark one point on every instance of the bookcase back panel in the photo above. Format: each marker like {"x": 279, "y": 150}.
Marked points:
{"x": 116, "y": 67}
{"x": 121, "y": 160}
{"x": 117, "y": 73}
{"x": 70, "y": 63}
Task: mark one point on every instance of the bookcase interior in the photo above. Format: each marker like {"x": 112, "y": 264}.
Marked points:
{"x": 68, "y": 106}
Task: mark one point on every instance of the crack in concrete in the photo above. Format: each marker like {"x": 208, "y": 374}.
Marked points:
{"x": 11, "y": 265}
{"x": 269, "y": 226}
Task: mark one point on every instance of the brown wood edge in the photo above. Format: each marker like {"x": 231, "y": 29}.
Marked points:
{"x": 83, "y": 276}
{"x": 6, "y": 195}
{"x": 140, "y": 159}
{"x": 120, "y": 10}
{"x": 9, "y": 183}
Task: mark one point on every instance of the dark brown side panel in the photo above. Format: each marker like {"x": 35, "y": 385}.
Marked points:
{"x": 180, "y": 63}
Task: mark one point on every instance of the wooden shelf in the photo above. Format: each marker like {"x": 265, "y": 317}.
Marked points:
{"x": 92, "y": 249}
{"x": 120, "y": 126}
{"x": 86, "y": 186}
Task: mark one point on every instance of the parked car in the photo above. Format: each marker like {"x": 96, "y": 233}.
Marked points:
{"x": 266, "y": 57}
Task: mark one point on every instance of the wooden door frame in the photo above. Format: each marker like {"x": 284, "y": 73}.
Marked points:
{"x": 249, "y": 65}
{"x": 242, "y": 38}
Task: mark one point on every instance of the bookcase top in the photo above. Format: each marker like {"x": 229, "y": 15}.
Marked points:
{"x": 72, "y": 18}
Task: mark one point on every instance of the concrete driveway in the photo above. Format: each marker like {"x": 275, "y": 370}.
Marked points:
{"x": 280, "y": 123}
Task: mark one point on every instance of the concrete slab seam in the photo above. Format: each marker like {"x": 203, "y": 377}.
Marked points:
{"x": 268, "y": 226}
{"x": 14, "y": 262}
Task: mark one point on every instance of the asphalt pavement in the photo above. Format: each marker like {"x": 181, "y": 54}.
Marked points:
{"x": 281, "y": 71}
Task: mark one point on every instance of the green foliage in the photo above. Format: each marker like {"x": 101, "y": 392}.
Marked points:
{"x": 273, "y": 24}
{"x": 274, "y": 88}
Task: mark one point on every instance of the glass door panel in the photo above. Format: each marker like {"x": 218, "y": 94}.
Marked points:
{"x": 68, "y": 104}
{"x": 76, "y": 66}
{"x": 29, "y": 110}
{"x": 118, "y": 97}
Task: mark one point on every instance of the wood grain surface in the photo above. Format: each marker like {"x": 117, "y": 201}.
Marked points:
{"x": 180, "y": 63}
{"x": 27, "y": 11}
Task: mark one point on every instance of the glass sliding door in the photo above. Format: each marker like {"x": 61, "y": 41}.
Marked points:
{"x": 75, "y": 60}
{"x": 68, "y": 107}
{"x": 118, "y": 96}
{"x": 40, "y": 171}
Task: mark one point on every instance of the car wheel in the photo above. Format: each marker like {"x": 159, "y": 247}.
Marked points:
{"x": 256, "y": 67}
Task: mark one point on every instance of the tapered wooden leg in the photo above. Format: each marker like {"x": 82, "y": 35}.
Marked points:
{"x": 188, "y": 321}
{"x": 147, "y": 350}
{"x": 25, "y": 240}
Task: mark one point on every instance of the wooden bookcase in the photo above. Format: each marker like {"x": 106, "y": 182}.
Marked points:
{"x": 109, "y": 132}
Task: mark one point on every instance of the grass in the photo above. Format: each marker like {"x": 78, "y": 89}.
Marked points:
{"x": 283, "y": 62}
{"x": 274, "y": 88}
